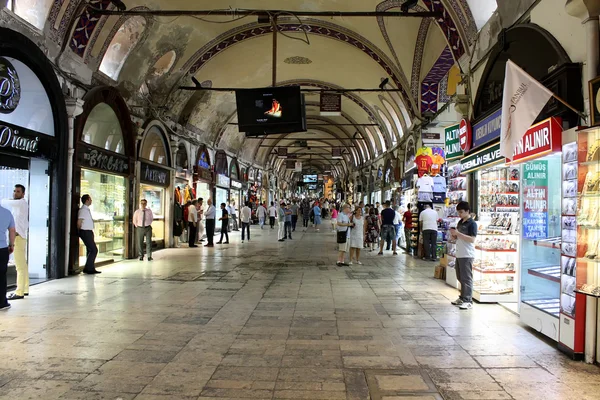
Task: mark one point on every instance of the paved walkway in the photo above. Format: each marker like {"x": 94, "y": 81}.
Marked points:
{"x": 270, "y": 320}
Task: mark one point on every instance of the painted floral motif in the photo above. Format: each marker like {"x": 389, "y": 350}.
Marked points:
{"x": 85, "y": 27}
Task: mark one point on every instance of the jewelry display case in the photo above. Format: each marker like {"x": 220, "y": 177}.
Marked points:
{"x": 457, "y": 192}
{"x": 495, "y": 268}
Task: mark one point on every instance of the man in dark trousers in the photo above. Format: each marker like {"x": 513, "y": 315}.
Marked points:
{"x": 224, "y": 224}
{"x": 210, "y": 215}
{"x": 85, "y": 226}
{"x": 193, "y": 224}
{"x": 388, "y": 231}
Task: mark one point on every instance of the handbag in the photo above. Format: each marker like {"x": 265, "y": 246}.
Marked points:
{"x": 342, "y": 236}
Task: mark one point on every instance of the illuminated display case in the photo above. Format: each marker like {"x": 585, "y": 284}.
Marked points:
{"x": 155, "y": 196}
{"x": 109, "y": 205}
{"x": 541, "y": 244}
{"x": 495, "y": 268}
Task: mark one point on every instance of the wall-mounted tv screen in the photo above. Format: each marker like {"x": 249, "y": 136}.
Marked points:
{"x": 310, "y": 178}
{"x": 270, "y": 110}
{"x": 312, "y": 187}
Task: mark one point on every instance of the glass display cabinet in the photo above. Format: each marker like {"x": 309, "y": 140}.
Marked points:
{"x": 495, "y": 267}
{"x": 541, "y": 244}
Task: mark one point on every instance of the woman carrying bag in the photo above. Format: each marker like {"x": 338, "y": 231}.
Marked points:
{"x": 343, "y": 232}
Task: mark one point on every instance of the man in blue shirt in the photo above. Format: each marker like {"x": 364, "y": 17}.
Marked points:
{"x": 288, "y": 223}
{"x": 7, "y": 223}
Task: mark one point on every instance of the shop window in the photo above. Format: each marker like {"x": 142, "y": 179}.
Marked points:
{"x": 482, "y": 11}
{"x": 392, "y": 111}
{"x": 121, "y": 45}
{"x": 33, "y": 11}
{"x": 388, "y": 127}
{"x": 154, "y": 148}
{"x": 103, "y": 129}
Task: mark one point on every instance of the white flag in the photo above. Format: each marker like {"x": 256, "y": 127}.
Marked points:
{"x": 522, "y": 101}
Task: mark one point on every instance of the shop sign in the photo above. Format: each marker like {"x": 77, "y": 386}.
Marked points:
{"x": 10, "y": 87}
{"x": 203, "y": 174}
{"x": 155, "y": 175}
{"x": 223, "y": 180}
{"x": 464, "y": 135}
{"x": 203, "y": 160}
{"x": 11, "y": 137}
{"x": 236, "y": 184}
{"x": 541, "y": 139}
{"x": 480, "y": 159}
{"x": 103, "y": 160}
{"x": 487, "y": 129}
{"x": 452, "y": 139}
{"x": 535, "y": 200}
{"x": 431, "y": 136}
{"x": 331, "y": 104}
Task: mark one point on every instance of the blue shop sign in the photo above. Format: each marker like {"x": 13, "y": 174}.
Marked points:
{"x": 487, "y": 129}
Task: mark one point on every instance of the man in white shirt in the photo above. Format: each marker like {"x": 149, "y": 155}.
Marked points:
{"x": 233, "y": 216}
{"x": 272, "y": 214}
{"x": 85, "y": 225}
{"x": 428, "y": 219}
{"x": 142, "y": 220}
{"x": 200, "y": 211}
{"x": 210, "y": 215}
{"x": 192, "y": 223}
{"x": 261, "y": 213}
{"x": 245, "y": 216}
{"x": 20, "y": 210}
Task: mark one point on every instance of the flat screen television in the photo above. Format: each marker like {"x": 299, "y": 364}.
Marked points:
{"x": 310, "y": 178}
{"x": 270, "y": 110}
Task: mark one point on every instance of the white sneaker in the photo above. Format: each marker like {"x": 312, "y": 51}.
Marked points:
{"x": 466, "y": 306}
{"x": 358, "y": 262}
{"x": 350, "y": 263}
{"x": 457, "y": 302}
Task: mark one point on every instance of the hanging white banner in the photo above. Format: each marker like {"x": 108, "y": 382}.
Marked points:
{"x": 522, "y": 101}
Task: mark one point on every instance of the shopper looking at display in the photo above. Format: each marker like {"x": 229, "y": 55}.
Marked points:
{"x": 20, "y": 210}
{"x": 428, "y": 219}
{"x": 465, "y": 235}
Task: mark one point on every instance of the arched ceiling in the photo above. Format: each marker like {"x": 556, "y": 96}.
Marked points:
{"x": 231, "y": 51}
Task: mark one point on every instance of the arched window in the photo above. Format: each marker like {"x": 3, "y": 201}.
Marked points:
{"x": 381, "y": 139}
{"x": 163, "y": 65}
{"x": 390, "y": 109}
{"x": 373, "y": 143}
{"x": 121, "y": 45}
{"x": 154, "y": 147}
{"x": 482, "y": 11}
{"x": 103, "y": 129}
{"x": 33, "y": 11}
{"x": 403, "y": 109}
{"x": 388, "y": 127}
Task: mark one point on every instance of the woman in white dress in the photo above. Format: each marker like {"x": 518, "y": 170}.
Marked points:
{"x": 357, "y": 234}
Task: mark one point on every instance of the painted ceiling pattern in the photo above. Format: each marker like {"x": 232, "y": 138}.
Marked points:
{"x": 71, "y": 23}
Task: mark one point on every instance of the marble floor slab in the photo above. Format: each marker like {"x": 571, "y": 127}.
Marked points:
{"x": 271, "y": 320}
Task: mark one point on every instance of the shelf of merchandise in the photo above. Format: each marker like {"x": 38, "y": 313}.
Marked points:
{"x": 488, "y": 271}
{"x": 455, "y": 178}
{"x": 553, "y": 243}
{"x": 548, "y": 306}
{"x": 495, "y": 251}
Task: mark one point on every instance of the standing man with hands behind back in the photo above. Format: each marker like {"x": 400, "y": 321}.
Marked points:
{"x": 465, "y": 234}
{"x": 193, "y": 224}
{"x": 142, "y": 220}
{"x": 20, "y": 210}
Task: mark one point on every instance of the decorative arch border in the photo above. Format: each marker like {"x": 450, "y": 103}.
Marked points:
{"x": 312, "y": 26}
{"x": 153, "y": 123}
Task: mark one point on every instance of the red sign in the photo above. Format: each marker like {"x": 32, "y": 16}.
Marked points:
{"x": 541, "y": 139}
{"x": 464, "y": 135}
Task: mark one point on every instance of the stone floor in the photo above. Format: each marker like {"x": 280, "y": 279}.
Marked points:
{"x": 270, "y": 320}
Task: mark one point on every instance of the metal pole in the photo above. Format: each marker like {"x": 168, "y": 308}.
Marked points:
{"x": 193, "y": 88}
{"x": 274, "y": 22}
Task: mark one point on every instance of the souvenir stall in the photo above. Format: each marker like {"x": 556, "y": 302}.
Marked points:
{"x": 154, "y": 181}
{"x": 457, "y": 191}
{"x": 223, "y": 183}
{"x": 32, "y": 106}
{"x": 183, "y": 173}
{"x": 104, "y": 170}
